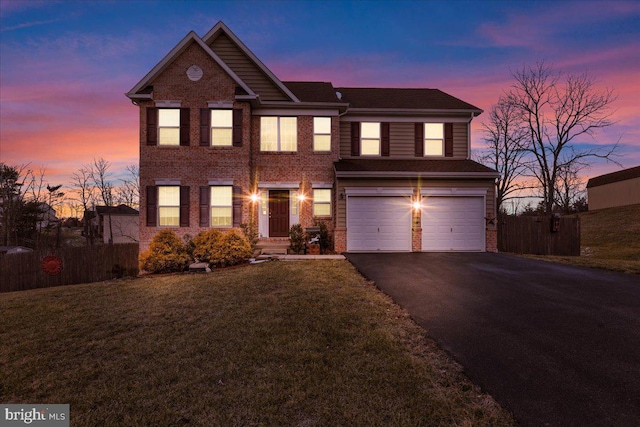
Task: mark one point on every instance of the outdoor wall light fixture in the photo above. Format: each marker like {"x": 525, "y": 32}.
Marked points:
{"x": 301, "y": 197}
{"x": 417, "y": 204}
{"x": 254, "y": 197}
{"x": 341, "y": 196}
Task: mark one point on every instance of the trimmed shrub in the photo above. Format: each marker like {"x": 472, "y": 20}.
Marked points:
{"x": 205, "y": 245}
{"x": 296, "y": 238}
{"x": 222, "y": 249}
{"x": 166, "y": 254}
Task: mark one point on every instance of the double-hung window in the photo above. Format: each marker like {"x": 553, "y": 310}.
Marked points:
{"x": 370, "y": 139}
{"x": 322, "y": 134}
{"x": 169, "y": 126}
{"x": 433, "y": 139}
{"x": 221, "y": 128}
{"x": 278, "y": 134}
{"x": 169, "y": 206}
{"x": 221, "y": 206}
{"x": 322, "y": 202}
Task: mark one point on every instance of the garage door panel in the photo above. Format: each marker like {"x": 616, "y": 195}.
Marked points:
{"x": 378, "y": 224}
{"x": 453, "y": 224}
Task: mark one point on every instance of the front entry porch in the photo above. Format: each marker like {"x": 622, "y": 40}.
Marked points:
{"x": 279, "y": 209}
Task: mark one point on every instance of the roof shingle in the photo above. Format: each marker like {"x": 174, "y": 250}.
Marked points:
{"x": 411, "y": 166}
{"x": 612, "y": 177}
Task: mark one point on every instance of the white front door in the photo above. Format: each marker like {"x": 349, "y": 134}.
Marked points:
{"x": 378, "y": 224}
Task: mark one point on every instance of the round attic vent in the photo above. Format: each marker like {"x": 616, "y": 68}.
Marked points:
{"x": 194, "y": 73}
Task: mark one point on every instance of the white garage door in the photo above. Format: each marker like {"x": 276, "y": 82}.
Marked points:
{"x": 378, "y": 224}
{"x": 453, "y": 224}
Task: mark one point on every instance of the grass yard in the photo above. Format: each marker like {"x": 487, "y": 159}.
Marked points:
{"x": 277, "y": 344}
{"x": 610, "y": 239}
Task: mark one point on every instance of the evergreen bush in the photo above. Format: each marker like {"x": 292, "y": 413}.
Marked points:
{"x": 166, "y": 254}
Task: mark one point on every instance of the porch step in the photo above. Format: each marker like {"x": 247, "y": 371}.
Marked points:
{"x": 273, "y": 247}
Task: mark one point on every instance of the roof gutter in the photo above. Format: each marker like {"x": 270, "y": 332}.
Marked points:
{"x": 414, "y": 111}
{"x": 406, "y": 174}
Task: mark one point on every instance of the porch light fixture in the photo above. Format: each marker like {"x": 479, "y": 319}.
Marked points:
{"x": 254, "y": 197}
{"x": 301, "y": 197}
{"x": 417, "y": 204}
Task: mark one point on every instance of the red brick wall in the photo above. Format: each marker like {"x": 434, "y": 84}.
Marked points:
{"x": 246, "y": 166}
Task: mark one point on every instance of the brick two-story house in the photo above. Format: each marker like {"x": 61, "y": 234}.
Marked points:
{"x": 223, "y": 141}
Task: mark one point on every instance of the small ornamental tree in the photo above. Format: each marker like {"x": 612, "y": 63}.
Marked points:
{"x": 296, "y": 238}
{"x": 166, "y": 254}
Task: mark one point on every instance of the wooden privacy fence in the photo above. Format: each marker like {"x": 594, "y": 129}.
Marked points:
{"x": 67, "y": 266}
{"x": 533, "y": 235}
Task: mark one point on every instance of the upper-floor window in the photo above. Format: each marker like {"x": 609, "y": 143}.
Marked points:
{"x": 322, "y": 134}
{"x": 169, "y": 126}
{"x": 221, "y": 128}
{"x": 169, "y": 205}
{"x": 434, "y": 139}
{"x": 221, "y": 206}
{"x": 370, "y": 139}
{"x": 278, "y": 134}
{"x": 322, "y": 202}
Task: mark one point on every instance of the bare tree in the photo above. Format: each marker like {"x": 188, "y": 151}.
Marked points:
{"x": 556, "y": 111}
{"x": 86, "y": 196}
{"x": 504, "y": 136}
{"x": 128, "y": 192}
{"x": 569, "y": 187}
{"x": 100, "y": 176}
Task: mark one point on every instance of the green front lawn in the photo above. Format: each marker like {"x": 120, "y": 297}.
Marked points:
{"x": 278, "y": 344}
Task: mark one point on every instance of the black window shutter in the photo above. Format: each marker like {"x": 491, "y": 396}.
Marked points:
{"x": 237, "y": 206}
{"x": 384, "y": 139}
{"x": 205, "y": 127}
{"x": 184, "y": 126}
{"x": 184, "y": 206}
{"x": 355, "y": 138}
{"x": 237, "y": 127}
{"x": 205, "y": 194}
{"x": 152, "y": 126}
{"x": 448, "y": 139}
{"x": 419, "y": 139}
{"x": 152, "y": 206}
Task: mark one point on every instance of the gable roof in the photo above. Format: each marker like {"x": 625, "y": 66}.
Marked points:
{"x": 221, "y": 28}
{"x": 140, "y": 89}
{"x": 612, "y": 177}
{"x": 403, "y": 98}
{"x": 411, "y": 167}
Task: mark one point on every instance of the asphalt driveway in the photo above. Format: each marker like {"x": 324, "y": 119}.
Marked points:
{"x": 556, "y": 345}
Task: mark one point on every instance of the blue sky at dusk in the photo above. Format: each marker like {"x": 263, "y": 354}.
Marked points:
{"x": 65, "y": 65}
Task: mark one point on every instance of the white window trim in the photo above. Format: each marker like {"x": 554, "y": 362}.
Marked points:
{"x": 379, "y": 139}
{"x": 211, "y": 206}
{"x": 167, "y": 206}
{"x": 321, "y": 134}
{"x": 313, "y": 208}
{"x": 278, "y": 138}
{"x": 160, "y": 127}
{"x": 424, "y": 147}
{"x": 212, "y": 127}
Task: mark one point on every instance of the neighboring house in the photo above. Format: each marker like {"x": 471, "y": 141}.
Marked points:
{"x": 223, "y": 141}
{"x": 47, "y": 217}
{"x": 619, "y": 188}
{"x": 124, "y": 220}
